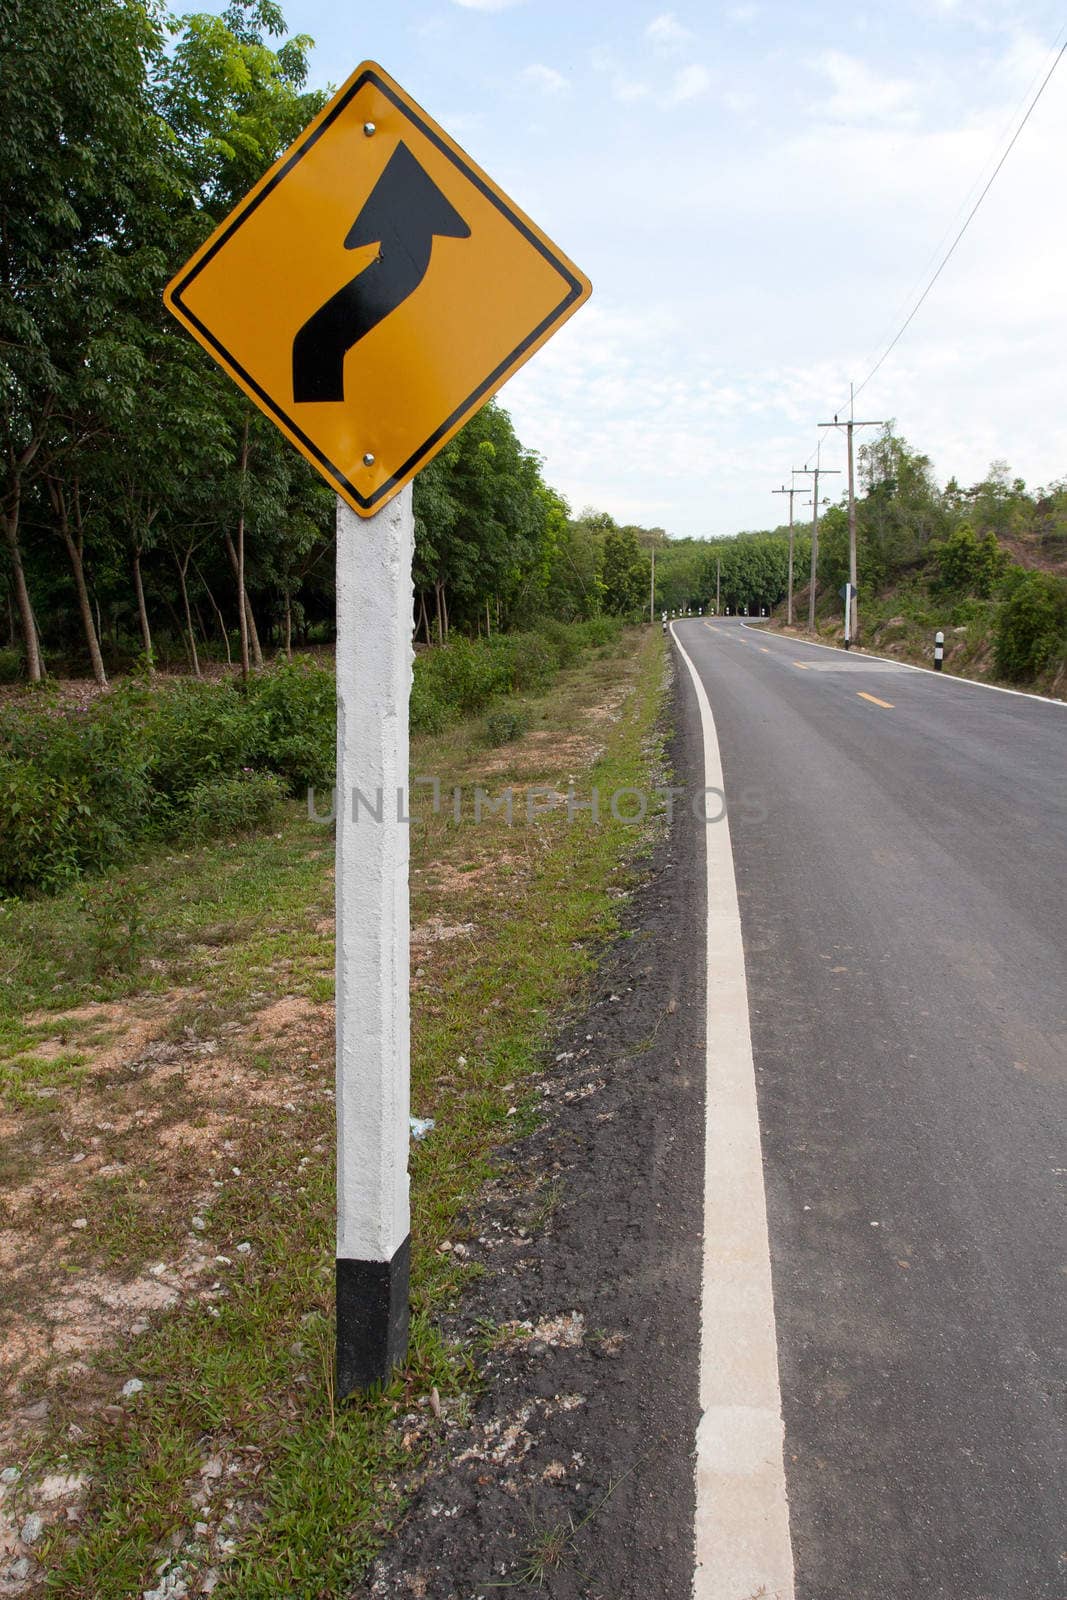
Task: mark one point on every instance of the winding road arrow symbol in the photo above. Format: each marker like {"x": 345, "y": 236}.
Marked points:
{"x": 403, "y": 214}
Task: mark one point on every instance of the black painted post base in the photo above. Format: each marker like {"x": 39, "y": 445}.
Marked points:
{"x": 372, "y": 1320}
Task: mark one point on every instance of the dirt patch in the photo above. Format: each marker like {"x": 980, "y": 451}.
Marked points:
{"x": 134, "y": 1145}
{"x": 281, "y": 1018}
{"x": 437, "y": 930}
{"x": 562, "y": 754}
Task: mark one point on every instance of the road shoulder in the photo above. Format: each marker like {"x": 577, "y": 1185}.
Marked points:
{"x": 574, "y": 1470}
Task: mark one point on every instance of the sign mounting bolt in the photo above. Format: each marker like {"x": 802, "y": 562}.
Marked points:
{"x": 368, "y": 459}
{"x": 369, "y": 128}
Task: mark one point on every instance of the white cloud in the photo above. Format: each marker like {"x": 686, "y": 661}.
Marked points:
{"x": 689, "y": 84}
{"x": 860, "y": 95}
{"x": 627, "y": 90}
{"x": 545, "y": 79}
{"x": 695, "y": 378}
{"x": 666, "y": 34}
{"x": 623, "y": 88}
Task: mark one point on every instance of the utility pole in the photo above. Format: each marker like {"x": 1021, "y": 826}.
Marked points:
{"x": 718, "y": 581}
{"x": 848, "y": 426}
{"x": 815, "y": 472}
{"x": 789, "y": 594}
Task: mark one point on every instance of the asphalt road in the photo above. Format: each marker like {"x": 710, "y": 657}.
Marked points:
{"x": 900, "y": 844}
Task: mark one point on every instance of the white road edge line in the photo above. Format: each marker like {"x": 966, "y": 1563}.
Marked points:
{"x": 742, "y": 1543}
{"x": 942, "y": 677}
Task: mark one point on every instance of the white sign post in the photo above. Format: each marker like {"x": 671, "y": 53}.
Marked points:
{"x": 374, "y": 657}
{"x": 370, "y": 367}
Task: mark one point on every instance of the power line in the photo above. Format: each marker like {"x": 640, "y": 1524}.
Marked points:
{"x": 934, "y": 254}
{"x": 946, "y": 258}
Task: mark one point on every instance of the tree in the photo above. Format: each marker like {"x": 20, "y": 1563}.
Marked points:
{"x": 481, "y": 523}
{"x": 969, "y": 565}
{"x": 901, "y": 513}
{"x": 83, "y": 176}
{"x": 1031, "y": 631}
{"x": 627, "y": 572}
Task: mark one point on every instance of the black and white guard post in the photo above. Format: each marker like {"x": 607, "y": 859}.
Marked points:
{"x": 939, "y": 650}
{"x": 374, "y": 660}
{"x": 846, "y": 592}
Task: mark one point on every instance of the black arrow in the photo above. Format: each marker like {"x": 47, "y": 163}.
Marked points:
{"x": 402, "y": 215}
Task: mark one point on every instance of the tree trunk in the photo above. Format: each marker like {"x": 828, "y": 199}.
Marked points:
{"x": 194, "y": 659}
{"x": 202, "y": 626}
{"x": 241, "y": 551}
{"x": 75, "y": 547}
{"x": 250, "y": 618}
{"x": 253, "y": 635}
{"x": 218, "y": 617}
{"x": 442, "y": 611}
{"x": 288, "y": 626}
{"x": 142, "y": 611}
{"x": 27, "y": 620}
{"x": 424, "y": 620}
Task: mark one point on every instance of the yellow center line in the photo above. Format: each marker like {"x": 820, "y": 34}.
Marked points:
{"x": 873, "y": 698}
{"x": 803, "y": 665}
{"x": 765, "y": 650}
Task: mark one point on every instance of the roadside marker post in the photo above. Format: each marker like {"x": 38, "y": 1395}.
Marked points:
{"x": 939, "y": 650}
{"x": 369, "y": 294}
{"x": 374, "y": 657}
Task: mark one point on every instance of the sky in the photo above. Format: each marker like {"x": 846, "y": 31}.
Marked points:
{"x": 759, "y": 192}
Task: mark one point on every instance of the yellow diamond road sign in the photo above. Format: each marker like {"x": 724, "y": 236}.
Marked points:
{"x": 374, "y": 290}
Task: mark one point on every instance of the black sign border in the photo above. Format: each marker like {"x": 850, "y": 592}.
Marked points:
{"x": 245, "y": 210}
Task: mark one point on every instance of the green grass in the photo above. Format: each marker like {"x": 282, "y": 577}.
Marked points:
{"x": 245, "y": 1374}
{"x": 25, "y": 1079}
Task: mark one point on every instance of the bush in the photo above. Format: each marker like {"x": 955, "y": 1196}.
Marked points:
{"x": 969, "y": 565}
{"x": 113, "y": 912}
{"x": 233, "y": 805}
{"x": 599, "y": 631}
{"x": 1031, "y": 625}
{"x": 967, "y": 612}
{"x": 504, "y": 726}
{"x": 464, "y": 675}
{"x": 197, "y": 731}
{"x": 48, "y": 834}
{"x": 80, "y": 786}
{"x": 11, "y": 665}
{"x": 295, "y": 716}
{"x": 563, "y": 640}
{"x": 457, "y": 678}
{"x": 534, "y": 661}
{"x": 427, "y": 713}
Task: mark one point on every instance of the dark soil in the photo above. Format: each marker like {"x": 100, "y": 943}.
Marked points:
{"x": 573, "y": 1476}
